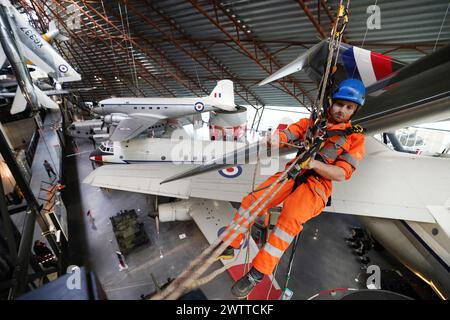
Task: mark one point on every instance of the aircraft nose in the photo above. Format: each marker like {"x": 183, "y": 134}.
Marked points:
{"x": 98, "y": 110}
{"x": 96, "y": 155}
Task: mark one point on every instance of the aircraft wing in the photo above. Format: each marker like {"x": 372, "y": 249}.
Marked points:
{"x": 20, "y": 103}
{"x": 47, "y": 92}
{"x": 416, "y": 183}
{"x": 39, "y": 51}
{"x": 224, "y": 185}
{"x": 37, "y": 60}
{"x": 2, "y": 57}
{"x": 131, "y": 127}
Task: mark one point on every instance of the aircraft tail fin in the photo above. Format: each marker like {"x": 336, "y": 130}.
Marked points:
{"x": 53, "y": 33}
{"x": 19, "y": 104}
{"x": 2, "y": 57}
{"x": 45, "y": 100}
{"x": 353, "y": 62}
{"x": 223, "y": 94}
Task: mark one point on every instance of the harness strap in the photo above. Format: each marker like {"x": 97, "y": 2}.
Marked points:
{"x": 329, "y": 152}
{"x": 291, "y": 137}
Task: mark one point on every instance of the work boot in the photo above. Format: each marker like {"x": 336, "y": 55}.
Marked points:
{"x": 242, "y": 288}
{"x": 227, "y": 254}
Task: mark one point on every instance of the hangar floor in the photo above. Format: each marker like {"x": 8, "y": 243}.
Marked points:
{"x": 323, "y": 260}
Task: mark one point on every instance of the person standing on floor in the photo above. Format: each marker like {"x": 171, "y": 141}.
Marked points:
{"x": 49, "y": 169}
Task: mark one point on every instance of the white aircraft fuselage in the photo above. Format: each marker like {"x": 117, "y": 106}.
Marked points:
{"x": 156, "y": 107}
{"x": 39, "y": 51}
{"x": 145, "y": 150}
{"x": 132, "y": 116}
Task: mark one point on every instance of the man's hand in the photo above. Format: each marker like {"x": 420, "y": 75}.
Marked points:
{"x": 312, "y": 164}
{"x": 327, "y": 171}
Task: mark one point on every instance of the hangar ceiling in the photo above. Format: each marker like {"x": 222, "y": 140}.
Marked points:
{"x": 181, "y": 48}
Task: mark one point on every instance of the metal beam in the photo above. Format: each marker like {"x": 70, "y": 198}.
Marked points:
{"x": 311, "y": 18}
{"x": 83, "y": 45}
{"x": 212, "y": 64}
{"x": 43, "y": 25}
{"x": 34, "y": 215}
{"x": 7, "y": 224}
{"x": 267, "y": 42}
{"x": 20, "y": 273}
{"x": 257, "y": 118}
{"x": 256, "y": 48}
{"x": 142, "y": 38}
{"x": 122, "y": 49}
{"x": 163, "y": 64}
{"x": 62, "y": 23}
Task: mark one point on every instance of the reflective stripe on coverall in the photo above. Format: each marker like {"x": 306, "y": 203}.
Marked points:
{"x": 306, "y": 201}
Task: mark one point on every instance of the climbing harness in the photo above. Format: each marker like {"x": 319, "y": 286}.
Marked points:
{"x": 315, "y": 138}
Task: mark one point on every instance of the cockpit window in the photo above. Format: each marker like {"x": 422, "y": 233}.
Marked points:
{"x": 106, "y": 148}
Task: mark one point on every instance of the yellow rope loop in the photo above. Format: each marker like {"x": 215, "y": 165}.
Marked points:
{"x": 307, "y": 144}
{"x": 341, "y": 22}
{"x": 357, "y": 128}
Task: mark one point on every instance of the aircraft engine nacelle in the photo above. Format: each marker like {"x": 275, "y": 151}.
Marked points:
{"x": 175, "y": 211}
{"x": 115, "y": 118}
{"x": 231, "y": 126}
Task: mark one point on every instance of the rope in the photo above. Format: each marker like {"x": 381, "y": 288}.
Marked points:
{"x": 198, "y": 266}
{"x": 224, "y": 244}
{"x": 208, "y": 256}
{"x": 198, "y": 79}
{"x": 111, "y": 42}
{"x": 364, "y": 40}
{"x": 440, "y": 30}
{"x": 247, "y": 238}
{"x": 271, "y": 283}
{"x": 214, "y": 274}
{"x": 247, "y": 253}
{"x": 177, "y": 287}
{"x": 291, "y": 261}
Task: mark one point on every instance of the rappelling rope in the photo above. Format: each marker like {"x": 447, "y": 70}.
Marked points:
{"x": 207, "y": 257}
{"x": 199, "y": 265}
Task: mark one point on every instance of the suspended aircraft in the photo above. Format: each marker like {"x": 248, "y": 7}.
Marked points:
{"x": 402, "y": 198}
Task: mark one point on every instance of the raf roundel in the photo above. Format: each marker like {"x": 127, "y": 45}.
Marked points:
{"x": 63, "y": 68}
{"x": 199, "y": 106}
{"x": 232, "y": 172}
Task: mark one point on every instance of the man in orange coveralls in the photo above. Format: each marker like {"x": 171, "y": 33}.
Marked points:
{"x": 303, "y": 200}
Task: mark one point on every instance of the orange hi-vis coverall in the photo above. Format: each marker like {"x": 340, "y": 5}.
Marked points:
{"x": 308, "y": 199}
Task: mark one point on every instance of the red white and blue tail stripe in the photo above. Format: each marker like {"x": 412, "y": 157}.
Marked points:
{"x": 368, "y": 66}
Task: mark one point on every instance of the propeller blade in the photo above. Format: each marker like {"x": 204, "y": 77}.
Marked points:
{"x": 238, "y": 156}
{"x": 302, "y": 62}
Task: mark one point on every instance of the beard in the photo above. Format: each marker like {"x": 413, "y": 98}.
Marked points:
{"x": 338, "y": 117}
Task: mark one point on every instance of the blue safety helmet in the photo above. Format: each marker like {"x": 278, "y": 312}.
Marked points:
{"x": 350, "y": 90}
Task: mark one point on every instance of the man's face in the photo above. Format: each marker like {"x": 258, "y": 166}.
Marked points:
{"x": 342, "y": 110}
